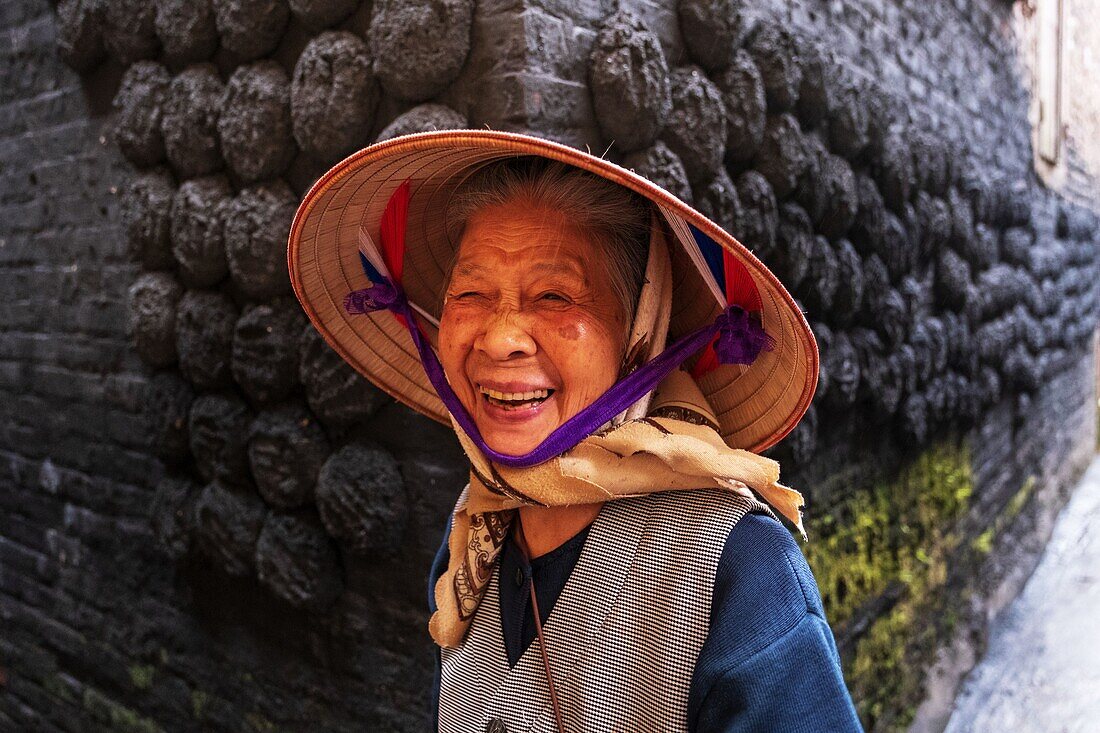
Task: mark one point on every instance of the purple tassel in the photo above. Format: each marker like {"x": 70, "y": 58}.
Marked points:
{"x": 380, "y": 296}
{"x": 740, "y": 337}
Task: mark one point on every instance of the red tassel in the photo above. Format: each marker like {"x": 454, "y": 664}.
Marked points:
{"x": 392, "y": 228}
{"x": 740, "y": 288}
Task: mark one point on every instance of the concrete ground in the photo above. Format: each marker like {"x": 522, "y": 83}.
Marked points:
{"x": 1041, "y": 671}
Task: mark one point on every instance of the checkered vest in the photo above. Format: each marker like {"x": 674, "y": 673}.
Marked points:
{"x": 624, "y": 633}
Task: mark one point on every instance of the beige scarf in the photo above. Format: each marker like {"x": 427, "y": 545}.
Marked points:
{"x": 665, "y": 441}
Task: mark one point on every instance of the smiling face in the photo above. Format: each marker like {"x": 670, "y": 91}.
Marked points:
{"x": 531, "y": 331}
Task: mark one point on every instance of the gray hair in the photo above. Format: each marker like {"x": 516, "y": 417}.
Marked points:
{"x": 615, "y": 216}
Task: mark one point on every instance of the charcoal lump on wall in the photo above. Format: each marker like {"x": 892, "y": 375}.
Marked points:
{"x": 286, "y": 449}
{"x": 257, "y": 224}
{"x": 336, "y": 393}
{"x": 781, "y": 157}
{"x": 197, "y": 230}
{"x": 153, "y": 299}
{"x": 696, "y": 127}
{"x": 662, "y": 166}
{"x": 742, "y": 90}
{"x": 422, "y": 118}
{"x": 138, "y": 106}
{"x": 719, "y": 203}
{"x": 218, "y": 427}
{"x": 145, "y": 208}
{"x": 255, "y": 125}
{"x": 265, "y": 350}
{"x": 187, "y": 30}
{"x": 297, "y": 561}
{"x": 250, "y": 29}
{"x": 129, "y": 30}
{"x": 204, "y": 338}
{"x": 774, "y": 49}
{"x": 189, "y": 121}
{"x": 713, "y": 30}
{"x": 760, "y": 213}
{"x": 629, "y": 78}
{"x": 333, "y": 96}
{"x": 227, "y": 525}
{"x": 362, "y": 499}
{"x": 419, "y": 48}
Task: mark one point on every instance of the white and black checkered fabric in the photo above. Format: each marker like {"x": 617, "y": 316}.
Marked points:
{"x": 624, "y": 634}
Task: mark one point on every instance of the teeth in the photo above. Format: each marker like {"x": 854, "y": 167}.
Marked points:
{"x": 537, "y": 394}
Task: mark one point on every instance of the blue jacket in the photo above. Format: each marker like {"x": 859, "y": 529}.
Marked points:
{"x": 783, "y": 676}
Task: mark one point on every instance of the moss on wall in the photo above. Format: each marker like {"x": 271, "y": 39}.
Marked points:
{"x": 881, "y": 559}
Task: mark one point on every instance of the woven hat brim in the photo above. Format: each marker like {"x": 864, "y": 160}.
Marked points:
{"x": 756, "y": 405}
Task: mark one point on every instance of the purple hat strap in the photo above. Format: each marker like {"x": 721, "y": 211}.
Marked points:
{"x": 740, "y": 340}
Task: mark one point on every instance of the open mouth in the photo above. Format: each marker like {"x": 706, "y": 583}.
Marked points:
{"x": 515, "y": 400}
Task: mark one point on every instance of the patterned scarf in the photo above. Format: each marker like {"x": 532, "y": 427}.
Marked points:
{"x": 668, "y": 440}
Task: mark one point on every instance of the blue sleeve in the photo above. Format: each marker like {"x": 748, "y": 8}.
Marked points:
{"x": 439, "y": 566}
{"x": 770, "y": 661}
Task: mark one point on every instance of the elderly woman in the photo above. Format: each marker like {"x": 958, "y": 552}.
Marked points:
{"x": 612, "y": 363}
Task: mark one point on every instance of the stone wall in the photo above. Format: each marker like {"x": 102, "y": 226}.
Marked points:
{"x": 210, "y": 522}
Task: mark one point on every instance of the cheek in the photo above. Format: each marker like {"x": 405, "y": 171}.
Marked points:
{"x": 456, "y": 333}
{"x": 586, "y": 353}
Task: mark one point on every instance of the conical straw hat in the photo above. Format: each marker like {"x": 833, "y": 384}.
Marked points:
{"x": 756, "y": 405}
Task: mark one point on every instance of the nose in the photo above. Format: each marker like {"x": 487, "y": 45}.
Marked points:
{"x": 505, "y": 336}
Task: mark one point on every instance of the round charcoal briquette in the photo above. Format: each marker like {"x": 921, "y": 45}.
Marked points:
{"x": 204, "y": 338}
{"x": 893, "y": 317}
{"x": 843, "y": 363}
{"x": 808, "y": 192}
{"x": 720, "y": 203}
{"x": 265, "y": 350}
{"x": 153, "y": 299}
{"x": 257, "y": 224}
{"x": 333, "y": 96}
{"x": 760, "y": 213}
{"x": 794, "y": 243}
{"x": 742, "y": 90}
{"x": 138, "y": 108}
{"x": 868, "y": 230}
{"x": 876, "y": 282}
{"x": 145, "y": 208}
{"x": 186, "y": 29}
{"x": 848, "y": 119}
{"x": 190, "y": 121}
{"x": 848, "y": 296}
{"x": 819, "y": 287}
{"x": 840, "y": 195}
{"x": 713, "y": 29}
{"x": 782, "y": 156}
{"x": 1016, "y": 245}
{"x": 286, "y": 449}
{"x": 696, "y": 127}
{"x": 935, "y": 222}
{"x": 250, "y": 29}
{"x": 198, "y": 219}
{"x": 952, "y": 278}
{"x": 893, "y": 169}
{"x": 336, "y": 393}
{"x": 218, "y": 429}
{"x": 813, "y": 94}
{"x": 419, "y": 48}
{"x": 227, "y": 525}
{"x": 129, "y": 30}
{"x": 255, "y": 126}
{"x": 896, "y": 247}
{"x": 297, "y": 561}
{"x": 662, "y": 166}
{"x": 774, "y": 49}
{"x": 362, "y": 499}
{"x": 630, "y": 82}
{"x": 912, "y": 420}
